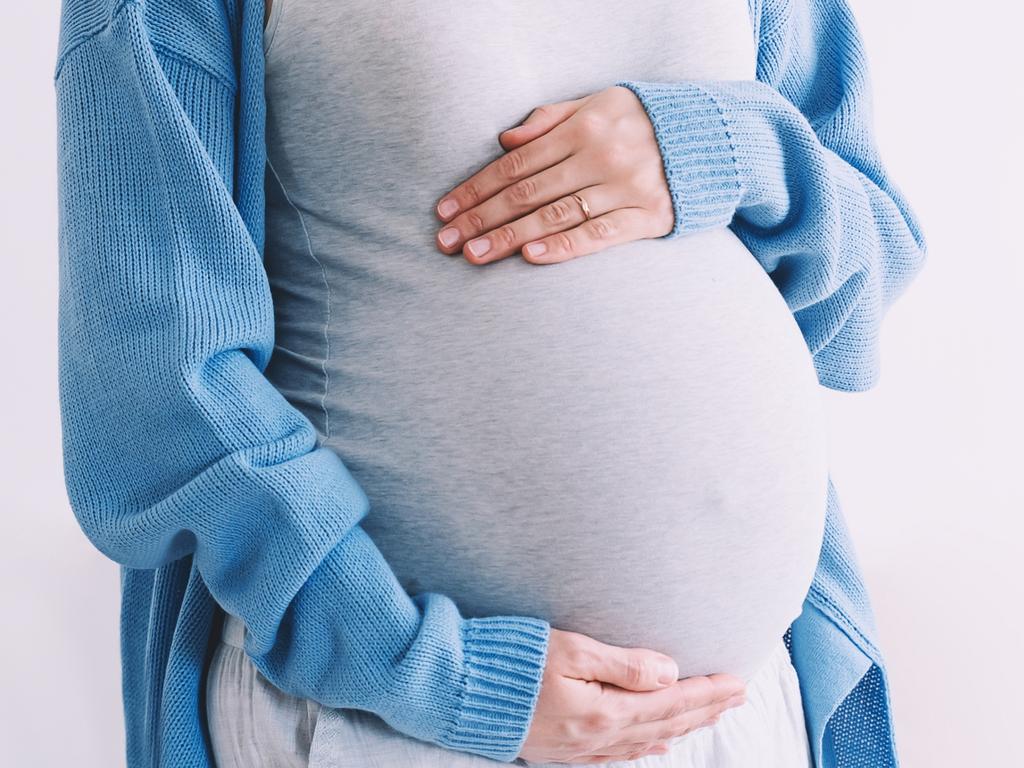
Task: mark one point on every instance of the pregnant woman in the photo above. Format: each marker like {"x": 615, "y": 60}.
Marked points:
{"x": 428, "y": 441}
{"x": 627, "y": 444}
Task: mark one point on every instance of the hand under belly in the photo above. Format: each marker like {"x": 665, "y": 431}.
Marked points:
{"x": 629, "y": 444}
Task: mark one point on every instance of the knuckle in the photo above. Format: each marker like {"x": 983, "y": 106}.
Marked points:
{"x": 472, "y": 192}
{"x": 597, "y": 721}
{"x": 505, "y": 236}
{"x": 636, "y": 668}
{"x": 696, "y": 692}
{"x": 677, "y": 709}
{"x": 579, "y": 657}
{"x": 569, "y": 733}
{"x": 523, "y": 191}
{"x": 556, "y": 213}
{"x": 512, "y": 164}
{"x": 590, "y": 124}
{"x": 543, "y": 111}
{"x": 475, "y": 221}
{"x": 676, "y": 728}
{"x": 563, "y": 243}
{"x": 603, "y": 229}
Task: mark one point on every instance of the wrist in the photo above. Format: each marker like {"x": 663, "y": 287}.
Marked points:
{"x": 698, "y": 153}
{"x": 503, "y": 666}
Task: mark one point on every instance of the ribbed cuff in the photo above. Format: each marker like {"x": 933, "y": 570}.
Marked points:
{"x": 697, "y": 150}
{"x": 504, "y": 660}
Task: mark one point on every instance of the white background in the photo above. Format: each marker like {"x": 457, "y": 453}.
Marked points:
{"x": 928, "y": 464}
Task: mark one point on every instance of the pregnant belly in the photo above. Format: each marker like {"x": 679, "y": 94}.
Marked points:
{"x": 629, "y": 444}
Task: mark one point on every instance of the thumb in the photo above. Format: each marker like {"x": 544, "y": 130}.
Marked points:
{"x": 636, "y": 669}
{"x": 540, "y": 121}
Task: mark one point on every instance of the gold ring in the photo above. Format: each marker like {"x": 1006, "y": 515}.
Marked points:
{"x": 583, "y": 205}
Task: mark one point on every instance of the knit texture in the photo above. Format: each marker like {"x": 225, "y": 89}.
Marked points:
{"x": 789, "y": 163}
{"x": 187, "y": 467}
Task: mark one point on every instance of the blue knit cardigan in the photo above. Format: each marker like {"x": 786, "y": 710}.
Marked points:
{"x": 187, "y": 467}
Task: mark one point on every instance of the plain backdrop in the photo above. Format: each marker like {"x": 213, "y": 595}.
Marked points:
{"x": 928, "y": 464}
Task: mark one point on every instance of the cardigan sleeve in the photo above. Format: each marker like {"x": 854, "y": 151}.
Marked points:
{"x": 176, "y": 444}
{"x": 788, "y": 161}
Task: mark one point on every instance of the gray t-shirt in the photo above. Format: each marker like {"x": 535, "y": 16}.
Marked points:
{"x": 629, "y": 444}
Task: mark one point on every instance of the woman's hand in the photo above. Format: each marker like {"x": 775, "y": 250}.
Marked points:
{"x": 600, "y": 702}
{"x": 601, "y": 147}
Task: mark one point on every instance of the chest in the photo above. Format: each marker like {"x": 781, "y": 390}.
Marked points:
{"x": 454, "y": 73}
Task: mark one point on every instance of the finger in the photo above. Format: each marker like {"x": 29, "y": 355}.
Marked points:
{"x": 596, "y": 234}
{"x": 519, "y": 199}
{"x": 686, "y": 695}
{"x": 556, "y": 216}
{"x": 520, "y": 163}
{"x": 501, "y": 225}
{"x": 540, "y": 121}
{"x": 629, "y": 669}
{"x": 680, "y": 724}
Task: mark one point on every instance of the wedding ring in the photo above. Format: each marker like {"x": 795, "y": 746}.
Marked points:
{"x": 583, "y": 205}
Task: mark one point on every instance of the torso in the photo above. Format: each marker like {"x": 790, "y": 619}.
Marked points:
{"x": 630, "y": 443}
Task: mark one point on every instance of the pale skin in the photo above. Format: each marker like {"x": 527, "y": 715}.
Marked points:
{"x": 600, "y": 147}
{"x": 597, "y": 702}
{"x": 602, "y": 702}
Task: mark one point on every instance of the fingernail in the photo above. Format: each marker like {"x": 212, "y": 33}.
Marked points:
{"x": 449, "y": 236}
{"x": 447, "y": 207}
{"x": 667, "y": 677}
{"x": 480, "y": 246}
{"x": 536, "y": 249}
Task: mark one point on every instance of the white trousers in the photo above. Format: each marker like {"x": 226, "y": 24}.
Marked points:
{"x": 252, "y": 724}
